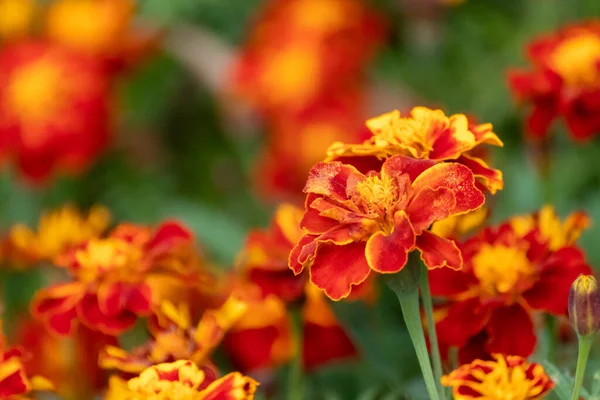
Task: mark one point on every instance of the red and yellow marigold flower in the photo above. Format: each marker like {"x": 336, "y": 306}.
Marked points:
{"x": 564, "y": 81}
{"x": 174, "y": 337}
{"x": 526, "y": 264}
{"x": 302, "y": 49}
{"x": 54, "y": 108}
{"x": 181, "y": 380}
{"x": 14, "y": 380}
{"x": 423, "y": 134}
{"x": 57, "y": 231}
{"x": 505, "y": 377}
{"x": 109, "y": 287}
{"x": 357, "y": 223}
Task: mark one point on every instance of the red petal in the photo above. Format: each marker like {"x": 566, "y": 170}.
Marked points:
{"x": 398, "y": 165}
{"x": 446, "y": 282}
{"x": 324, "y": 344}
{"x": 295, "y": 263}
{"x": 551, "y": 291}
{"x": 139, "y": 300}
{"x": 464, "y": 320}
{"x": 169, "y": 234}
{"x": 329, "y": 179}
{"x": 510, "y": 331}
{"x": 491, "y": 178}
{"x": 430, "y": 205}
{"x": 337, "y": 268}
{"x": 110, "y": 298}
{"x": 388, "y": 254}
{"x": 437, "y": 252}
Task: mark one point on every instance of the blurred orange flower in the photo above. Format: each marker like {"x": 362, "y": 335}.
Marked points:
{"x": 564, "y": 81}
{"x": 54, "y": 109}
{"x": 181, "y": 380}
{"x": 302, "y": 49}
{"x": 506, "y": 377}
{"x": 109, "y": 289}
{"x": 16, "y": 18}
{"x": 58, "y": 231}
{"x": 174, "y": 337}
{"x": 14, "y": 380}
{"x": 357, "y": 223}
{"x": 424, "y": 134}
{"x": 526, "y": 264}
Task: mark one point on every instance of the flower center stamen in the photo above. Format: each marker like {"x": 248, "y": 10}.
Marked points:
{"x": 500, "y": 268}
{"x": 577, "y": 60}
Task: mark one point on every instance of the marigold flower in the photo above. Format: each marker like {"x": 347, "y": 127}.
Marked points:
{"x": 508, "y": 273}
{"x": 291, "y": 59}
{"x": 181, "y": 380}
{"x": 357, "y": 223}
{"x": 424, "y": 134}
{"x": 175, "y": 338}
{"x": 564, "y": 81}
{"x": 459, "y": 225}
{"x": 54, "y": 108}
{"x": 58, "y": 231}
{"x": 16, "y": 17}
{"x": 507, "y": 377}
{"x": 584, "y": 305}
{"x": 109, "y": 288}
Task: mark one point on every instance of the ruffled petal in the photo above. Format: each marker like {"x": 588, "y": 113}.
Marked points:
{"x": 329, "y": 179}
{"x": 388, "y": 254}
{"x": 510, "y": 331}
{"x": 463, "y": 320}
{"x": 437, "y": 252}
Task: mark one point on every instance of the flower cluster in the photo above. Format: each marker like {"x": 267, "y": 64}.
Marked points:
{"x": 302, "y": 68}
{"x": 564, "y": 81}
{"x": 56, "y": 89}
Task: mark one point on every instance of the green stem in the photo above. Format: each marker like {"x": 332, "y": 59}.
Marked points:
{"x": 296, "y": 377}
{"x": 585, "y": 345}
{"x": 433, "y": 340}
{"x": 412, "y": 317}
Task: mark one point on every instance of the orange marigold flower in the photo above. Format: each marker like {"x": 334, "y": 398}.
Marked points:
{"x": 357, "y": 223}
{"x": 54, "y": 109}
{"x": 58, "y": 231}
{"x": 506, "y": 377}
{"x": 109, "y": 287}
{"x": 264, "y": 258}
{"x": 292, "y": 59}
{"x": 16, "y": 17}
{"x": 564, "y": 81}
{"x": 508, "y": 273}
{"x": 14, "y": 380}
{"x": 424, "y": 134}
{"x": 181, "y": 380}
{"x": 175, "y": 338}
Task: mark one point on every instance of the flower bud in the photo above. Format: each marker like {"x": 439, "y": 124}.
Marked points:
{"x": 584, "y": 305}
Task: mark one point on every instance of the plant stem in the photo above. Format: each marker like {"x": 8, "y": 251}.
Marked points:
{"x": 433, "y": 340}
{"x": 585, "y": 345}
{"x": 296, "y": 378}
{"x": 412, "y": 317}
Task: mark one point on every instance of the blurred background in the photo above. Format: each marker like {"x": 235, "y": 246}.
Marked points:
{"x": 218, "y": 109}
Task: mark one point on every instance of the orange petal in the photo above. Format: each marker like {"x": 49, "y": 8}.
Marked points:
{"x": 330, "y": 179}
{"x": 388, "y": 254}
{"x": 491, "y": 178}
{"x": 437, "y": 252}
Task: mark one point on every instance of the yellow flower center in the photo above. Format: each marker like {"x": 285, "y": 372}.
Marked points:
{"x": 114, "y": 256}
{"x": 36, "y": 94}
{"x": 15, "y": 17}
{"x": 576, "y": 60}
{"x": 500, "y": 268}
{"x": 150, "y": 386}
{"x": 291, "y": 74}
{"x": 506, "y": 383}
{"x": 378, "y": 194}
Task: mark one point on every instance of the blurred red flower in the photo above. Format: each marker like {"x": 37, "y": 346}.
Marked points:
{"x": 564, "y": 81}
{"x": 526, "y": 264}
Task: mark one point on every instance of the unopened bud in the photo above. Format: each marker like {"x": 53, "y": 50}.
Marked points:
{"x": 584, "y": 305}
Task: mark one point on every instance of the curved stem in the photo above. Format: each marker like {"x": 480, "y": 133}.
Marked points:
{"x": 585, "y": 345}
{"x": 296, "y": 378}
{"x": 433, "y": 340}
{"x": 412, "y": 317}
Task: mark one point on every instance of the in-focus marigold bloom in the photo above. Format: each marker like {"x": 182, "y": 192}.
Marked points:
{"x": 16, "y": 17}
{"x": 357, "y": 223}
{"x": 564, "y": 81}
{"x": 14, "y": 380}
{"x": 584, "y": 305}
{"x": 54, "y": 109}
{"x": 109, "y": 289}
{"x": 58, "y": 231}
{"x": 292, "y": 59}
{"x": 508, "y": 273}
{"x": 174, "y": 337}
{"x": 181, "y": 380}
{"x": 424, "y": 134}
{"x": 505, "y": 377}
